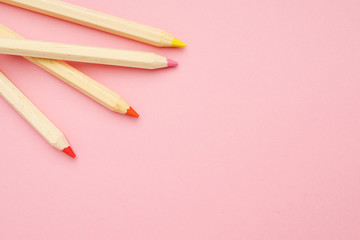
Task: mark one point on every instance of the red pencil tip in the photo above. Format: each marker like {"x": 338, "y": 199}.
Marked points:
{"x": 131, "y": 112}
{"x": 172, "y": 63}
{"x": 69, "y": 152}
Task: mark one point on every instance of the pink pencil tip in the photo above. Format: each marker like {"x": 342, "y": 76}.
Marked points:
{"x": 69, "y": 152}
{"x": 172, "y": 63}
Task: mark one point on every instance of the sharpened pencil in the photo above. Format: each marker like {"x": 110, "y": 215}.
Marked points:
{"x": 100, "y": 21}
{"x": 78, "y": 80}
{"x": 77, "y": 53}
{"x": 34, "y": 116}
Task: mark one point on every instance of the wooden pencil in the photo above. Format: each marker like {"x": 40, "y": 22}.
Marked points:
{"x": 78, "y": 80}
{"x": 61, "y": 51}
{"x": 34, "y": 116}
{"x": 100, "y": 21}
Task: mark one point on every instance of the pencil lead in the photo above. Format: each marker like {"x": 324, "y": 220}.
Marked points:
{"x": 177, "y": 43}
{"x": 69, "y": 152}
{"x": 131, "y": 112}
{"x": 172, "y": 63}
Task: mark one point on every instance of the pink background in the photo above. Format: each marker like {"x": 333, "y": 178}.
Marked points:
{"x": 254, "y": 136}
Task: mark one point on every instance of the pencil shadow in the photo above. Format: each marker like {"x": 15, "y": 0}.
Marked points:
{"x": 122, "y": 72}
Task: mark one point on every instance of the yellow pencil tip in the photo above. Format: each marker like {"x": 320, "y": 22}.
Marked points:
{"x": 177, "y": 43}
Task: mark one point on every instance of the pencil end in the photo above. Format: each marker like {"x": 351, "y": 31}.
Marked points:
{"x": 69, "y": 152}
{"x": 177, "y": 43}
{"x": 172, "y": 63}
{"x": 131, "y": 112}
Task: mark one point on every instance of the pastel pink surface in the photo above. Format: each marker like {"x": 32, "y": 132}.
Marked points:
{"x": 255, "y": 135}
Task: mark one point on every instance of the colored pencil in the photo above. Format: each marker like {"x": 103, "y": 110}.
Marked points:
{"x": 34, "y": 116}
{"x": 78, "y": 80}
{"x": 60, "y": 51}
{"x": 100, "y": 21}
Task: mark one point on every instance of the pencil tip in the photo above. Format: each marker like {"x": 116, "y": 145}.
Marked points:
{"x": 172, "y": 63}
{"x": 177, "y": 43}
{"x": 69, "y": 152}
{"x": 131, "y": 112}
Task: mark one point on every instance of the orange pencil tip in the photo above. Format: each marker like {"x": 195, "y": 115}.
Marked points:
{"x": 131, "y": 112}
{"x": 69, "y": 152}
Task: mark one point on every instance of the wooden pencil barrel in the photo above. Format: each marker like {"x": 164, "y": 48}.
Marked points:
{"x": 69, "y": 52}
{"x": 97, "y": 20}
